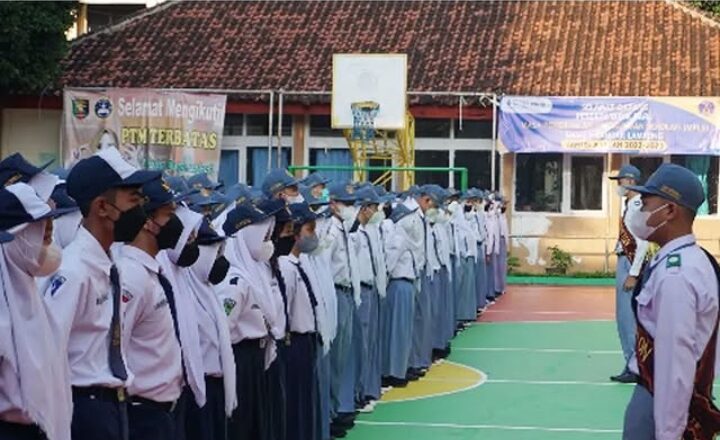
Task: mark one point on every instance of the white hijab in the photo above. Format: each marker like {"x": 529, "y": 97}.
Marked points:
{"x": 196, "y": 279}
{"x": 257, "y": 276}
{"x": 27, "y": 337}
{"x": 186, "y": 318}
{"x": 463, "y": 231}
{"x": 65, "y": 228}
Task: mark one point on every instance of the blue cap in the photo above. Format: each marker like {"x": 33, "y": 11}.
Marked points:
{"x": 178, "y": 184}
{"x": 300, "y": 213}
{"x": 243, "y": 215}
{"x": 207, "y": 235}
{"x": 628, "y": 172}
{"x": 20, "y": 204}
{"x": 238, "y": 193}
{"x": 157, "y": 193}
{"x": 6, "y": 237}
{"x": 15, "y": 168}
{"x": 400, "y": 212}
{"x": 435, "y": 192}
{"x": 61, "y": 197}
{"x": 674, "y": 183}
{"x": 202, "y": 181}
{"x": 273, "y": 207}
{"x": 277, "y": 180}
{"x": 203, "y": 199}
{"x": 105, "y": 170}
{"x": 315, "y": 179}
{"x": 366, "y": 196}
{"x": 342, "y": 192}
{"x": 310, "y": 199}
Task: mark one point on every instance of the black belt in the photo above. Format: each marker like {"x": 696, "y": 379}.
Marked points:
{"x": 343, "y": 288}
{"x": 251, "y": 343}
{"x": 101, "y": 393}
{"x": 367, "y": 285}
{"x": 21, "y": 430}
{"x": 162, "y": 406}
{"x": 403, "y": 279}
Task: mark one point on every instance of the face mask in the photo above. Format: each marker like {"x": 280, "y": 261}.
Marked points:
{"x": 219, "y": 270}
{"x": 129, "y": 224}
{"x": 452, "y": 207}
{"x": 189, "y": 255}
{"x": 503, "y": 209}
{"x": 325, "y": 196}
{"x": 467, "y": 208}
{"x": 264, "y": 252}
{"x": 376, "y": 218}
{"x": 432, "y": 212}
{"x": 295, "y": 199}
{"x": 621, "y": 191}
{"x": 284, "y": 245}
{"x": 169, "y": 233}
{"x": 50, "y": 259}
{"x": 347, "y": 213}
{"x": 308, "y": 243}
{"x": 636, "y": 219}
{"x": 387, "y": 210}
{"x": 487, "y": 207}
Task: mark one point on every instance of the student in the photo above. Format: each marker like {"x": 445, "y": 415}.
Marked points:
{"x": 35, "y": 397}
{"x": 466, "y": 300}
{"x": 84, "y": 296}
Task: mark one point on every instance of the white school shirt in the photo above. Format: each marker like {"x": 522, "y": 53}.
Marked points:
{"x": 419, "y": 249}
{"x": 339, "y": 254}
{"x": 79, "y": 297}
{"x": 400, "y": 258}
{"x": 300, "y": 310}
{"x": 327, "y": 299}
{"x": 245, "y": 317}
{"x": 361, "y": 246}
{"x": 678, "y": 306}
{"x": 492, "y": 231}
{"x": 153, "y": 351}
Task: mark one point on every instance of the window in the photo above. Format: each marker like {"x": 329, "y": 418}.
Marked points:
{"x": 478, "y": 165}
{"x": 257, "y": 163}
{"x": 432, "y": 128}
{"x": 706, "y": 169}
{"x": 431, "y": 158}
{"x": 646, "y": 165}
{"x": 233, "y": 124}
{"x": 229, "y": 161}
{"x": 330, "y": 157}
{"x": 586, "y": 184}
{"x": 473, "y": 129}
{"x": 258, "y": 125}
{"x": 320, "y": 127}
{"x": 538, "y": 182}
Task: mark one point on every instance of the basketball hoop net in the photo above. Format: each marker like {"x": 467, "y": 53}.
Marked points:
{"x": 364, "y": 114}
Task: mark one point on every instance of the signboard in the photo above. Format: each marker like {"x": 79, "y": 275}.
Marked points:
{"x": 634, "y": 125}
{"x": 173, "y": 131}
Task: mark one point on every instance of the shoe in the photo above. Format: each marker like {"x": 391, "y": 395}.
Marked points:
{"x": 398, "y": 383}
{"x": 345, "y": 420}
{"x": 337, "y": 431}
{"x": 412, "y": 377}
{"x": 625, "y": 377}
{"x": 370, "y": 407}
{"x": 384, "y": 390}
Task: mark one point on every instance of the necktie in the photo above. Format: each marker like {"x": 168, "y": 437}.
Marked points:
{"x": 347, "y": 251}
{"x": 117, "y": 365}
{"x": 372, "y": 257}
{"x": 283, "y": 294}
{"x": 311, "y": 292}
{"x": 437, "y": 254}
{"x": 170, "y": 295}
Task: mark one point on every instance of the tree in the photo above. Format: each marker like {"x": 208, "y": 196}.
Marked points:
{"x": 32, "y": 43}
{"x": 710, "y": 6}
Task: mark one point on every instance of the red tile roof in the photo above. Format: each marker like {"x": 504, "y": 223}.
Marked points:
{"x": 530, "y": 48}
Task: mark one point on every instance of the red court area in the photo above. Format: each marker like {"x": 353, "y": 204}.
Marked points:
{"x": 552, "y": 303}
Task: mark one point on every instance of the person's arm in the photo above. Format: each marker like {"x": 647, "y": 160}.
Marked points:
{"x": 640, "y": 252}
{"x": 675, "y": 363}
{"x": 65, "y": 296}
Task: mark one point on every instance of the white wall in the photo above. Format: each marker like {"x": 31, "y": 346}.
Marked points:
{"x": 35, "y": 133}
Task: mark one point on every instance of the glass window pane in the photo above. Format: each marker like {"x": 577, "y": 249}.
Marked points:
{"x": 432, "y": 128}
{"x": 478, "y": 165}
{"x": 586, "y": 188}
{"x": 320, "y": 127}
{"x": 257, "y": 125}
{"x": 646, "y": 165}
{"x": 432, "y": 158}
{"x": 473, "y": 129}
{"x": 538, "y": 182}
{"x": 229, "y": 162}
{"x": 330, "y": 157}
{"x": 233, "y": 125}
{"x": 257, "y": 163}
{"x": 706, "y": 168}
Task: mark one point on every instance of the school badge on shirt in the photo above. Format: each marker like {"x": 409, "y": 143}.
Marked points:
{"x": 55, "y": 284}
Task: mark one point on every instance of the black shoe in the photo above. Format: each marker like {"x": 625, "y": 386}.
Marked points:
{"x": 397, "y": 383}
{"x": 625, "y": 377}
{"x": 412, "y": 377}
{"x": 337, "y": 431}
{"x": 345, "y": 420}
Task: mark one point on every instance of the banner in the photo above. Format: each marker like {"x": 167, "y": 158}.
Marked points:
{"x": 173, "y": 131}
{"x": 633, "y": 125}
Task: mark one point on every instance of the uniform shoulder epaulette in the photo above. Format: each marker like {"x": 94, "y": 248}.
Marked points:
{"x": 673, "y": 260}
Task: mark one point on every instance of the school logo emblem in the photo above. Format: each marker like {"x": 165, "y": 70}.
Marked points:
{"x": 706, "y": 108}
{"x": 80, "y": 108}
{"x": 229, "y": 305}
{"x": 126, "y": 296}
{"x": 56, "y": 283}
{"x": 103, "y": 108}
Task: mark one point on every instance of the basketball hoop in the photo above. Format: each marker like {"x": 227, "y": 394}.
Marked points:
{"x": 364, "y": 114}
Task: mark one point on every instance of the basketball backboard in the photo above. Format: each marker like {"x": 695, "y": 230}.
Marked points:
{"x": 378, "y": 77}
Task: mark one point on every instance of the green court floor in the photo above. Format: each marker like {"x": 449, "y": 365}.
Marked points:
{"x": 545, "y": 380}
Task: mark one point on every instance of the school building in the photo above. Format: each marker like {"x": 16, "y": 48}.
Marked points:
{"x": 458, "y": 51}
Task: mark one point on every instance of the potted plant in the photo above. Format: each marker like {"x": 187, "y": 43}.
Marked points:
{"x": 560, "y": 261}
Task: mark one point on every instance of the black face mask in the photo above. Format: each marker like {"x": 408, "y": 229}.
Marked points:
{"x": 284, "y": 245}
{"x": 387, "y": 209}
{"x": 487, "y": 208}
{"x": 189, "y": 255}
{"x": 169, "y": 233}
{"x": 129, "y": 224}
{"x": 503, "y": 209}
{"x": 467, "y": 208}
{"x": 219, "y": 270}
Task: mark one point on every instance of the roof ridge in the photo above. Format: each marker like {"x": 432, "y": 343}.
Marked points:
{"x": 125, "y": 22}
{"x": 694, "y": 12}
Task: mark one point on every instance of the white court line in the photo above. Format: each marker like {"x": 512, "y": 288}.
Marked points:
{"x": 471, "y": 385}
{"x": 549, "y": 312}
{"x": 556, "y": 382}
{"x": 537, "y": 350}
{"x": 496, "y": 427}
{"x": 540, "y": 321}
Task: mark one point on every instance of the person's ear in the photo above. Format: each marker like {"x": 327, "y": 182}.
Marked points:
{"x": 103, "y": 208}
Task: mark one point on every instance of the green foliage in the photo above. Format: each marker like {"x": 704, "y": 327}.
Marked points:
{"x": 32, "y": 43}
{"x": 710, "y": 6}
{"x": 513, "y": 263}
{"x": 593, "y": 275}
{"x": 559, "y": 259}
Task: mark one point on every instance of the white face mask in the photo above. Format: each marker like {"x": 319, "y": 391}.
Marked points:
{"x": 50, "y": 259}
{"x": 291, "y": 200}
{"x": 347, "y": 213}
{"x": 431, "y": 213}
{"x": 377, "y": 217}
{"x": 636, "y": 219}
{"x": 621, "y": 191}
{"x": 264, "y": 252}
{"x": 453, "y": 207}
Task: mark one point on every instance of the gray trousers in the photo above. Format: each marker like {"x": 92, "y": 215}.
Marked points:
{"x": 639, "y": 419}
{"x": 623, "y": 310}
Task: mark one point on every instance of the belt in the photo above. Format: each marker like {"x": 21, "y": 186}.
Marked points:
{"x": 101, "y": 393}
{"x": 403, "y": 279}
{"x": 20, "y": 429}
{"x": 251, "y": 343}
{"x": 343, "y": 288}
{"x": 367, "y": 285}
{"x": 162, "y": 406}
